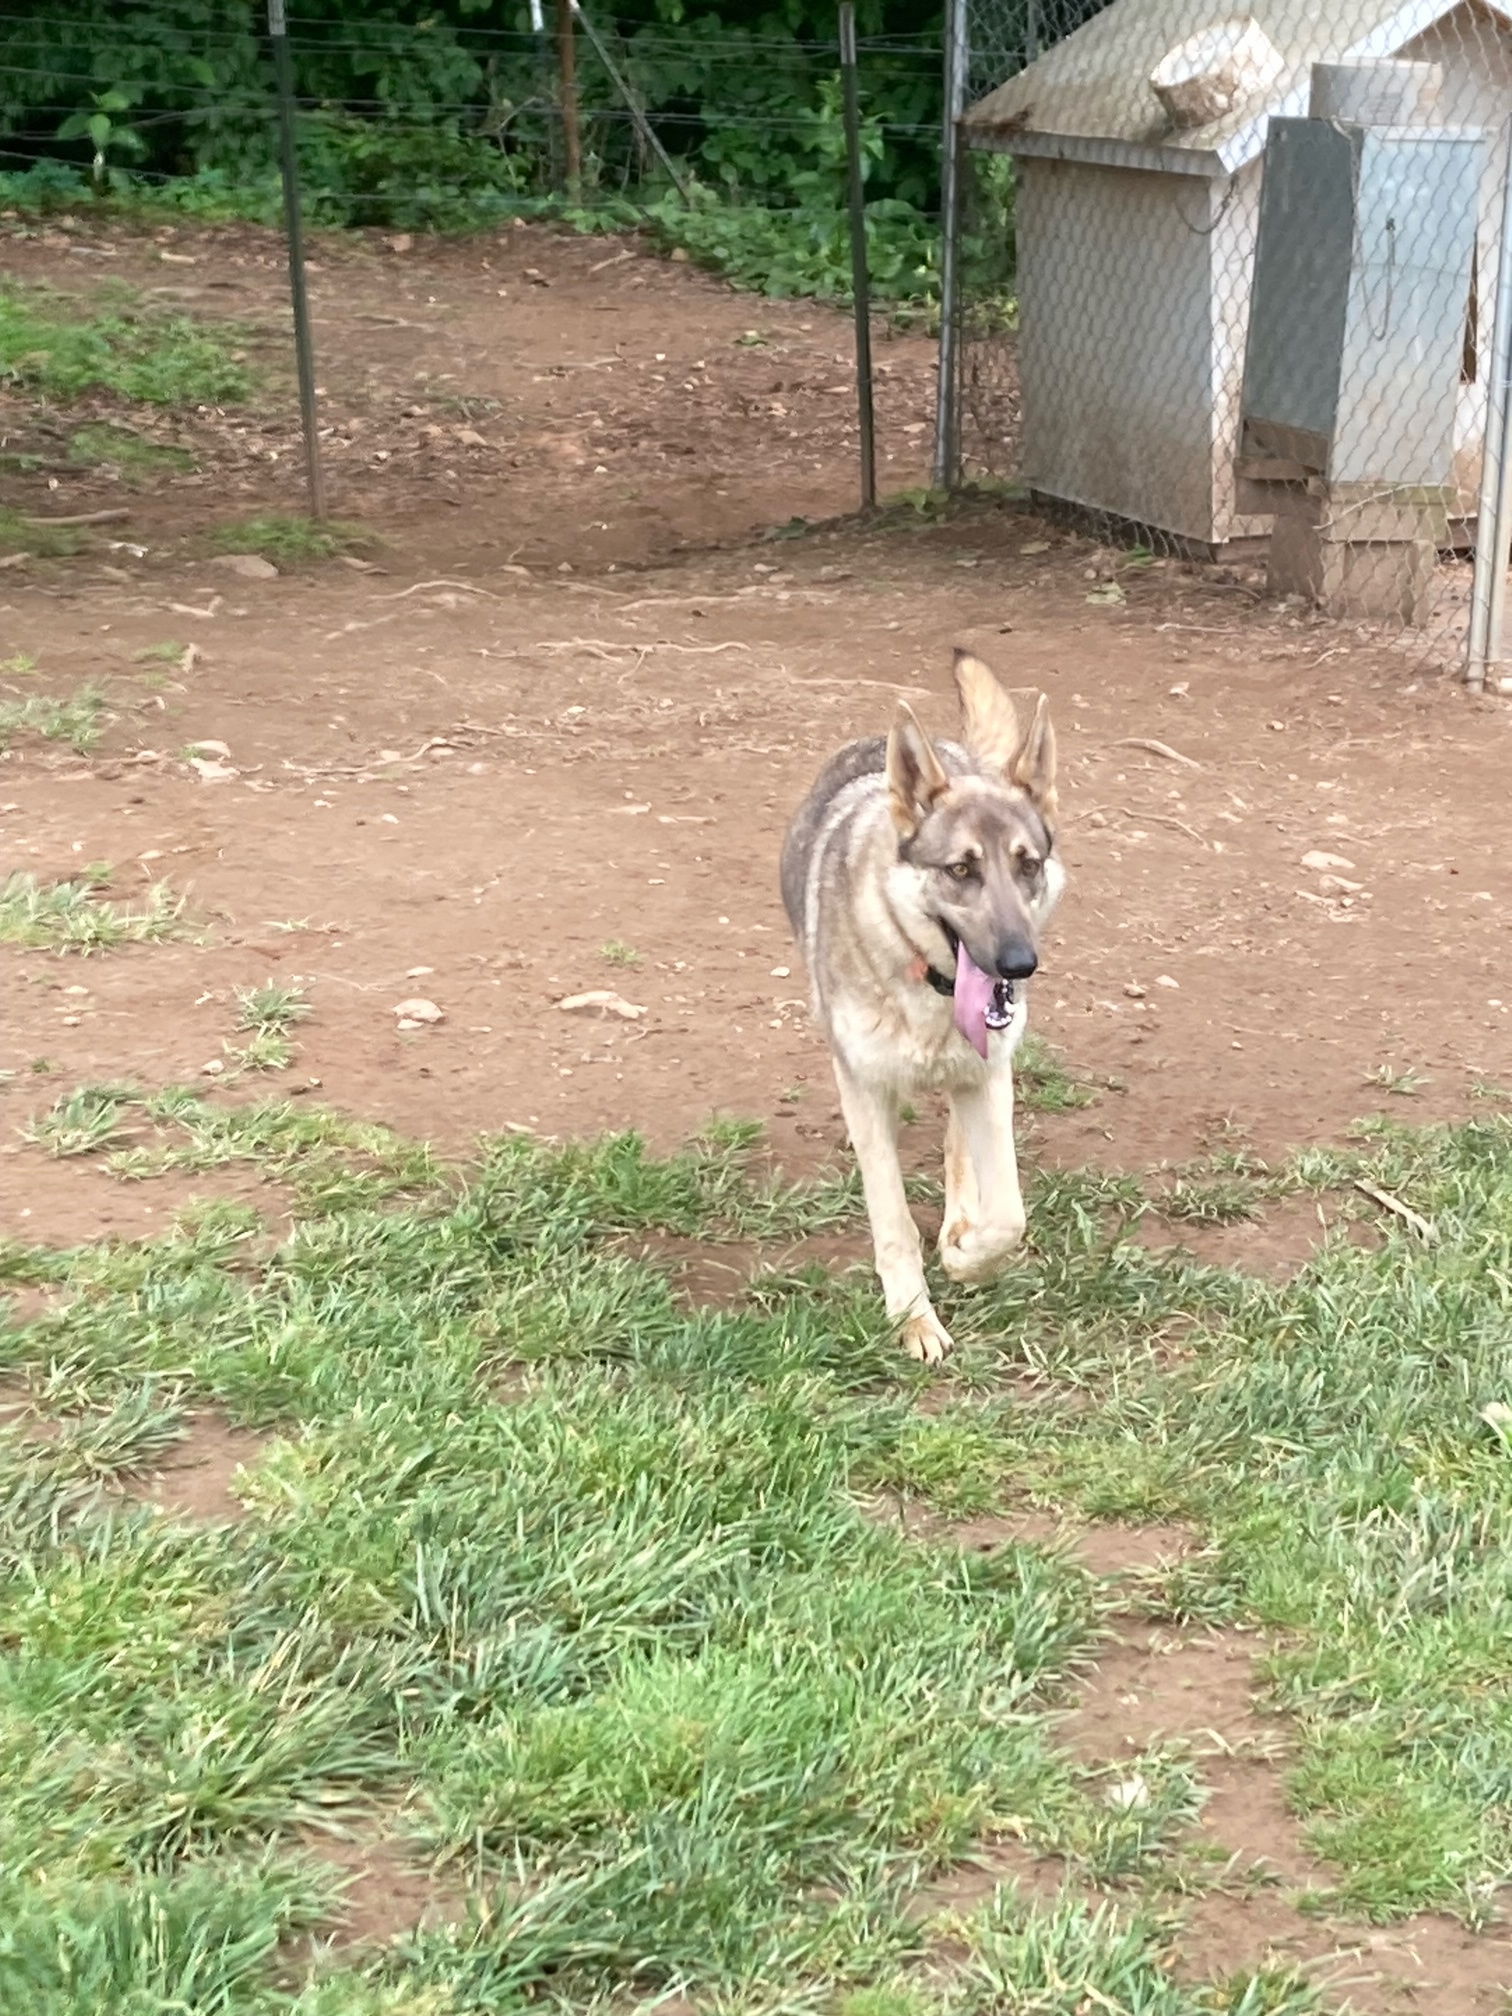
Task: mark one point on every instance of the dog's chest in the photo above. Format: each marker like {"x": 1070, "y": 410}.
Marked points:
{"x": 907, "y": 1038}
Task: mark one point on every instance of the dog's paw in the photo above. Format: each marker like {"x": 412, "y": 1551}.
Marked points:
{"x": 926, "y": 1339}
{"x": 971, "y": 1254}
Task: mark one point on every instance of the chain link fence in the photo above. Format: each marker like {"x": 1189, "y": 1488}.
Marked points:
{"x": 1229, "y": 286}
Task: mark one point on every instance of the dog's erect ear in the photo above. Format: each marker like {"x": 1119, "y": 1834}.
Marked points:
{"x": 989, "y": 723}
{"x": 1033, "y": 765}
{"x": 915, "y": 775}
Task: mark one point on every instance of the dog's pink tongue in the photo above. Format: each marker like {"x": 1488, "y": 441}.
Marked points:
{"x": 973, "y": 991}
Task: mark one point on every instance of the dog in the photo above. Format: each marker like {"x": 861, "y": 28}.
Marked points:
{"x": 918, "y": 878}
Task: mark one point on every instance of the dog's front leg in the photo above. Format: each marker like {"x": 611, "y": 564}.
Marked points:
{"x": 871, "y": 1119}
{"x": 978, "y": 1237}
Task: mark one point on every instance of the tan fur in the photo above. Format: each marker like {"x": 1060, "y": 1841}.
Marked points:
{"x": 887, "y": 868}
{"x": 915, "y": 778}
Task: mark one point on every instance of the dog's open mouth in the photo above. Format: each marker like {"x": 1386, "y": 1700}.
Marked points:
{"x": 982, "y": 1002}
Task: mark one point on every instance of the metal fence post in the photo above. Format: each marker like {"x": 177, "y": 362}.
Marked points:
{"x": 304, "y": 347}
{"x": 947, "y": 448}
{"x": 860, "y": 276}
{"x": 572, "y": 141}
{"x": 1493, "y": 518}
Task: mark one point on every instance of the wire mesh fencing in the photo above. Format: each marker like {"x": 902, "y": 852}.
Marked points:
{"x": 1230, "y": 286}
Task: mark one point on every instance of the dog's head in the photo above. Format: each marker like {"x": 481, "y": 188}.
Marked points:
{"x": 981, "y": 847}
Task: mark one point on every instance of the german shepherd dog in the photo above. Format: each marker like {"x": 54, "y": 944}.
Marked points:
{"x": 917, "y": 877}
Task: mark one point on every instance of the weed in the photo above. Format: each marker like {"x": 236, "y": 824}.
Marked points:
{"x": 267, "y": 1014}
{"x": 79, "y": 917}
{"x": 49, "y": 345}
{"x": 1402, "y": 1083}
{"x": 617, "y": 953}
{"x": 21, "y": 666}
{"x": 75, "y": 720}
{"x": 166, "y": 653}
{"x": 288, "y": 539}
{"x": 271, "y": 1008}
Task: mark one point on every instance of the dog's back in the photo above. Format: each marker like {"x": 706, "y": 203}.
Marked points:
{"x": 866, "y": 758}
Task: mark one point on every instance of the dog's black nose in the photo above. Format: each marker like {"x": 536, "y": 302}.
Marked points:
{"x": 1016, "y": 959}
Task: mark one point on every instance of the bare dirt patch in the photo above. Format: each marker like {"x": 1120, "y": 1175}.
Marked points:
{"x": 496, "y": 779}
{"x": 1275, "y": 1244}
{"x": 387, "y": 1891}
{"x": 720, "y": 1275}
{"x": 67, "y": 1200}
{"x": 1152, "y": 1684}
{"x": 528, "y": 397}
{"x": 196, "y": 1479}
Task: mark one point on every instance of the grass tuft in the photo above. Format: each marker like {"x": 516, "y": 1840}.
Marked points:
{"x": 79, "y": 917}
{"x": 289, "y": 539}
{"x": 76, "y": 720}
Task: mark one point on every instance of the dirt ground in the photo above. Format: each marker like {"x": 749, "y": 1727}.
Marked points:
{"x": 546, "y": 740}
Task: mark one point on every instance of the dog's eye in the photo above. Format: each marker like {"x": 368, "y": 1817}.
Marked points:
{"x": 960, "y": 871}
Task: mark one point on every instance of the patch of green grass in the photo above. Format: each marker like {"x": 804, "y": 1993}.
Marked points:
{"x": 1210, "y": 1200}
{"x": 1043, "y": 1083}
{"x": 76, "y": 720}
{"x": 268, "y": 1015}
{"x": 577, "y": 1577}
{"x": 166, "y": 653}
{"x": 100, "y": 443}
{"x": 55, "y": 346}
{"x": 79, "y": 917}
{"x": 288, "y": 538}
{"x": 85, "y": 1121}
{"x": 19, "y": 534}
{"x": 615, "y": 952}
{"x": 271, "y": 1007}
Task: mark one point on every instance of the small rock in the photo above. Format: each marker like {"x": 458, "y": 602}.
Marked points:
{"x": 417, "y": 1011}
{"x": 1320, "y": 861}
{"x": 601, "y": 1001}
{"x": 1165, "y": 980}
{"x": 400, "y": 242}
{"x": 1134, "y": 991}
{"x": 250, "y": 566}
{"x": 469, "y": 437}
{"x": 1339, "y": 885}
{"x": 213, "y": 1069}
{"x": 210, "y": 772}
